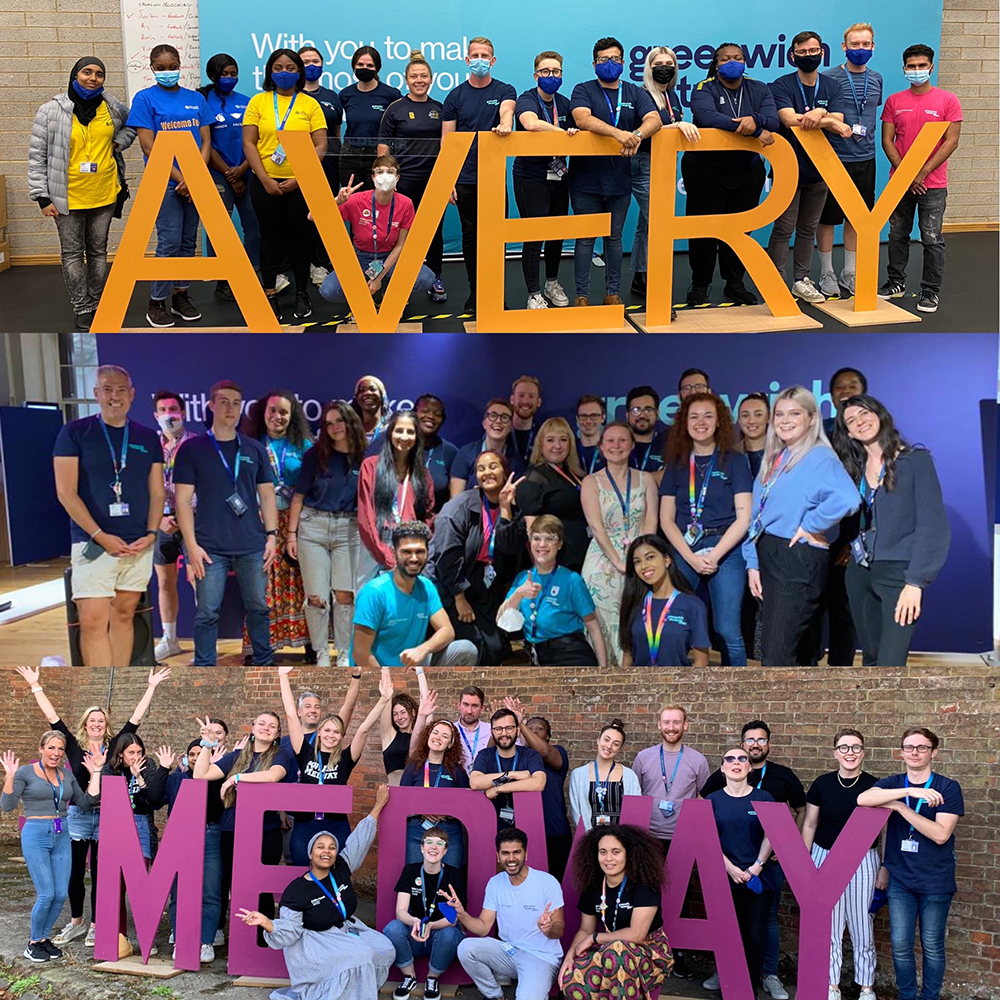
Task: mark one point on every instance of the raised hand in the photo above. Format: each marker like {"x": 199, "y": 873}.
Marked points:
{"x": 241, "y": 743}
{"x": 203, "y": 726}
{"x": 218, "y": 753}
{"x": 93, "y": 761}
{"x": 385, "y": 687}
{"x": 10, "y": 763}
{"x": 381, "y": 796}
{"x": 451, "y": 898}
{"x": 137, "y": 766}
{"x": 428, "y": 703}
{"x": 351, "y": 188}
{"x": 251, "y": 917}
{"x": 165, "y": 756}
{"x": 509, "y": 490}
{"x": 285, "y": 671}
{"x": 514, "y": 705}
{"x": 545, "y": 920}
{"x": 159, "y": 676}
{"x": 30, "y": 674}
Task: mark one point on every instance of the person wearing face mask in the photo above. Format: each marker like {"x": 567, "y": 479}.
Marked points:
{"x": 167, "y": 106}
{"x": 541, "y": 185}
{"x": 903, "y": 117}
{"x": 627, "y": 113}
{"x": 861, "y": 89}
{"x": 281, "y": 209}
{"x": 718, "y": 183}
{"x": 227, "y": 160}
{"x": 810, "y": 100}
{"x": 364, "y": 104}
{"x": 411, "y": 130}
{"x": 659, "y": 78}
{"x": 75, "y": 171}
{"x": 480, "y": 104}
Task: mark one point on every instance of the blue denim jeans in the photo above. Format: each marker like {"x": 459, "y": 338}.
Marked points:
{"x": 905, "y": 906}
{"x": 725, "y": 592}
{"x": 454, "y": 856}
{"x": 929, "y": 208}
{"x": 585, "y": 203}
{"x": 211, "y": 899}
{"x": 332, "y": 291}
{"x": 211, "y": 590}
{"x": 640, "y": 189}
{"x": 176, "y": 236}
{"x": 49, "y": 858}
{"x": 248, "y": 220}
{"x": 442, "y": 946}
{"x": 303, "y": 831}
{"x": 773, "y": 878}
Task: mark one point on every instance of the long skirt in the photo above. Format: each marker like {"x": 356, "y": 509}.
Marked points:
{"x": 621, "y": 970}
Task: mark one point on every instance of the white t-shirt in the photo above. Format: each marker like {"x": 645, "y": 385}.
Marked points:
{"x": 518, "y": 908}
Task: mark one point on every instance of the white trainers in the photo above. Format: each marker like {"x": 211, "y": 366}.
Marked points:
{"x": 772, "y": 985}
{"x": 536, "y": 301}
{"x": 70, "y": 933}
{"x": 89, "y": 942}
{"x": 207, "y": 954}
{"x": 556, "y": 294}
{"x": 867, "y": 993}
{"x": 317, "y": 275}
{"x": 828, "y": 283}
{"x": 170, "y": 940}
{"x": 712, "y": 983}
{"x": 166, "y": 648}
{"x": 834, "y": 993}
{"x": 281, "y": 283}
{"x": 220, "y": 938}
{"x": 805, "y": 289}
{"x": 847, "y": 280}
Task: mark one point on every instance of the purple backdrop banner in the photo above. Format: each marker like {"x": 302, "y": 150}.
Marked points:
{"x": 934, "y": 384}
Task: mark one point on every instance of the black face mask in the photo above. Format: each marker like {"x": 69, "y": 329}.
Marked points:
{"x": 808, "y": 63}
{"x": 364, "y": 74}
{"x": 663, "y": 74}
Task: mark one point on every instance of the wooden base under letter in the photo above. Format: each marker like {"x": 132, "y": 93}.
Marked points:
{"x": 842, "y": 310}
{"x": 729, "y": 319}
{"x": 156, "y": 968}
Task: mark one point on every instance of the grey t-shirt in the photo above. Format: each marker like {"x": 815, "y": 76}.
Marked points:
{"x": 691, "y": 775}
{"x": 40, "y": 798}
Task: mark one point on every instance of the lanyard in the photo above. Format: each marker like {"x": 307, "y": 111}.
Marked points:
{"x": 617, "y": 109}
{"x": 423, "y": 891}
{"x": 235, "y": 475}
{"x": 802, "y": 91}
{"x": 133, "y": 788}
{"x": 645, "y": 457}
{"x": 278, "y": 465}
{"x": 465, "y": 739}
{"x": 280, "y": 128}
{"x": 339, "y": 901}
{"x": 388, "y": 228}
{"x": 427, "y": 777}
{"x": 603, "y": 789}
{"x": 735, "y": 107}
{"x": 920, "y": 802}
{"x": 523, "y": 455}
{"x": 319, "y": 762}
{"x": 399, "y": 503}
{"x": 673, "y": 774}
{"x": 571, "y": 479}
{"x": 57, "y": 789}
{"x": 763, "y": 771}
{"x": 669, "y": 110}
{"x": 118, "y": 463}
{"x": 696, "y": 509}
{"x": 489, "y": 532}
{"x": 595, "y": 455}
{"x": 555, "y": 113}
{"x": 869, "y": 498}
{"x": 604, "y": 904}
{"x": 774, "y": 473}
{"x": 624, "y": 502}
{"x": 536, "y": 603}
{"x": 860, "y": 105}
{"x": 653, "y": 638}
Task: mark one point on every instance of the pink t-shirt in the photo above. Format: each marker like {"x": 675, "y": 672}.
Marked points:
{"x": 357, "y": 210}
{"x": 908, "y": 112}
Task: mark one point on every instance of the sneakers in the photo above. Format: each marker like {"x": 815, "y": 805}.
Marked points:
{"x": 437, "y": 292}
{"x": 470, "y": 305}
{"x": 834, "y": 994}
{"x": 35, "y": 952}
{"x": 170, "y": 940}
{"x": 220, "y": 938}
{"x": 70, "y": 933}
{"x": 806, "y": 290}
{"x": 828, "y": 284}
{"x": 613, "y": 300}
{"x": 431, "y": 989}
{"x": 847, "y": 280}
{"x": 272, "y": 301}
{"x": 712, "y": 983}
{"x": 317, "y": 275}
{"x": 157, "y": 315}
{"x": 281, "y": 283}
{"x": 555, "y": 293}
{"x": 598, "y": 259}
{"x": 581, "y": 300}
{"x": 183, "y": 307}
{"x": 89, "y": 942}
{"x": 772, "y": 984}
{"x": 224, "y": 292}
{"x": 405, "y": 988}
{"x": 739, "y": 294}
{"x": 53, "y": 952}
{"x": 927, "y": 303}
{"x": 891, "y": 290}
{"x": 867, "y": 993}
{"x": 639, "y": 284}
{"x": 536, "y": 301}
{"x": 165, "y": 648}
{"x": 681, "y": 970}
{"x": 303, "y": 307}
{"x": 698, "y": 295}
{"x": 207, "y": 954}
{"x": 84, "y": 320}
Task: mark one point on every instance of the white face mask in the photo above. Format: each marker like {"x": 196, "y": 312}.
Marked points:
{"x": 168, "y": 423}
{"x": 385, "y": 182}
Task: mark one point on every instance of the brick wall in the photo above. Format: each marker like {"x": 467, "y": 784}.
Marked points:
{"x": 803, "y": 708}
{"x": 46, "y": 37}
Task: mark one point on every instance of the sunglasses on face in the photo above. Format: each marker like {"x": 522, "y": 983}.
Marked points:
{"x": 734, "y": 759}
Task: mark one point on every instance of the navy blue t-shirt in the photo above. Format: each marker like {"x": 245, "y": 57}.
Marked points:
{"x": 413, "y": 776}
{"x": 336, "y": 488}
{"x": 590, "y": 456}
{"x": 536, "y": 167}
{"x": 364, "y": 109}
{"x": 489, "y": 761}
{"x": 648, "y": 455}
{"x": 608, "y": 175}
{"x": 554, "y": 797}
{"x": 84, "y": 440}
{"x": 790, "y": 92}
{"x": 476, "y": 109}
{"x": 740, "y": 831}
{"x": 439, "y": 458}
{"x": 673, "y": 112}
{"x": 227, "y": 126}
{"x": 283, "y": 758}
{"x": 333, "y": 110}
{"x": 412, "y": 131}
{"x": 730, "y": 475}
{"x": 686, "y": 627}
{"x": 464, "y": 464}
{"x": 216, "y": 526}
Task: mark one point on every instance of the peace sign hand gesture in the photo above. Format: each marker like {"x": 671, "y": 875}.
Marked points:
{"x": 509, "y": 490}
{"x": 345, "y": 192}
{"x": 451, "y": 898}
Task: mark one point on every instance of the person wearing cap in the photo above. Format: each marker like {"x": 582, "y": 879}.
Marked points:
{"x": 75, "y": 172}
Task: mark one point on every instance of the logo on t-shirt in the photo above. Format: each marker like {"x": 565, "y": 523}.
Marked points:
{"x": 411, "y": 116}
{"x": 433, "y": 113}
{"x": 378, "y": 107}
{"x": 677, "y": 619}
{"x": 931, "y": 111}
{"x": 138, "y": 447}
{"x": 493, "y": 101}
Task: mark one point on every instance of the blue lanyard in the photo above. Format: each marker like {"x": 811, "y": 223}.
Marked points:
{"x": 763, "y": 771}
{"x": 338, "y": 902}
{"x": 555, "y": 112}
{"x": 537, "y": 602}
{"x": 491, "y": 535}
{"x": 281, "y": 127}
{"x": 645, "y": 457}
{"x": 388, "y": 228}
{"x": 278, "y": 464}
{"x": 513, "y": 767}
{"x": 602, "y": 789}
{"x": 319, "y": 762}
{"x": 616, "y": 110}
{"x": 802, "y": 91}
{"x": 525, "y": 455}
{"x": 235, "y": 475}
{"x": 118, "y": 463}
{"x": 56, "y": 795}
{"x": 869, "y": 498}
{"x": 864, "y": 96}
{"x": 673, "y": 774}
{"x": 624, "y": 502}
{"x": 423, "y": 891}
{"x": 920, "y": 802}
{"x": 465, "y": 740}
{"x": 595, "y": 454}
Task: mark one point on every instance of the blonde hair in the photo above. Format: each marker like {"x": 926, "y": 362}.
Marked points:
{"x": 482, "y": 40}
{"x": 551, "y": 426}
{"x": 245, "y": 760}
{"x": 860, "y": 26}
{"x": 81, "y": 730}
{"x": 814, "y": 436}
{"x": 49, "y": 735}
{"x": 338, "y": 749}
{"x": 417, "y": 58}
{"x": 647, "y": 75}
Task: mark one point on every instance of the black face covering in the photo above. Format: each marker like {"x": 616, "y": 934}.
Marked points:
{"x": 364, "y": 74}
{"x": 808, "y": 63}
{"x": 664, "y": 74}
{"x": 84, "y": 110}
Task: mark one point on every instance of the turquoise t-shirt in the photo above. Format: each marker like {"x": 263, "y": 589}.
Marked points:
{"x": 560, "y": 607}
{"x": 400, "y": 621}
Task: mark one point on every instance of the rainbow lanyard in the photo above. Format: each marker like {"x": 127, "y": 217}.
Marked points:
{"x": 427, "y": 775}
{"x": 697, "y": 508}
{"x": 653, "y": 638}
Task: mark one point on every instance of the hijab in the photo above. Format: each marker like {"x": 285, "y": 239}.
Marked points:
{"x": 83, "y": 109}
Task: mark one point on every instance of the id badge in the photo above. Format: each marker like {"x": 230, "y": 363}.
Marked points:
{"x": 88, "y": 168}
{"x": 666, "y": 807}
{"x": 556, "y": 169}
{"x": 284, "y": 491}
{"x": 859, "y": 552}
{"x": 278, "y": 156}
{"x": 319, "y": 816}
{"x": 507, "y": 814}
{"x": 57, "y": 824}
{"x": 236, "y": 504}
{"x": 859, "y": 130}
{"x": 118, "y": 509}
{"x": 374, "y": 269}
{"x": 602, "y": 819}
{"x": 909, "y": 846}
{"x": 427, "y": 824}
{"x": 354, "y": 931}
{"x": 489, "y": 575}
{"x": 694, "y": 533}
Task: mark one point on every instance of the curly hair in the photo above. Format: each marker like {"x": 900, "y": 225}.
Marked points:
{"x": 419, "y": 752}
{"x": 679, "y": 443}
{"x": 643, "y": 857}
{"x": 299, "y": 432}
{"x": 853, "y": 453}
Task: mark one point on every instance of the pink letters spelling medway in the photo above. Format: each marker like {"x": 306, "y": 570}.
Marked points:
{"x": 695, "y": 843}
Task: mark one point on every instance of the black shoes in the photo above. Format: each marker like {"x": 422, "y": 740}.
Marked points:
{"x": 84, "y": 320}
{"x": 157, "y": 315}
{"x": 272, "y": 301}
{"x": 224, "y": 292}
{"x": 698, "y": 295}
{"x": 639, "y": 284}
{"x": 739, "y": 294}
{"x": 183, "y": 307}
{"x": 303, "y": 307}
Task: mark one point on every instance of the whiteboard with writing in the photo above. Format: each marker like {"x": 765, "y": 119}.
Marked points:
{"x": 148, "y": 23}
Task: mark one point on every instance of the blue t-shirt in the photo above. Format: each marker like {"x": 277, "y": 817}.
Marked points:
{"x": 333, "y": 110}
{"x": 673, "y": 112}
{"x": 400, "y": 621}
{"x": 686, "y": 628}
{"x": 412, "y": 131}
{"x": 536, "y": 167}
{"x": 476, "y": 109}
{"x": 648, "y": 455}
{"x": 227, "y": 126}
{"x": 439, "y": 458}
{"x": 286, "y": 461}
{"x": 162, "y": 110}
{"x": 413, "y": 776}
{"x": 489, "y": 761}
{"x": 84, "y": 440}
{"x": 554, "y": 796}
{"x": 364, "y": 109}
{"x": 217, "y": 527}
{"x": 730, "y": 475}
{"x": 464, "y": 464}
{"x": 560, "y": 608}
{"x": 283, "y": 758}
{"x": 609, "y": 176}
{"x": 861, "y": 94}
{"x": 590, "y": 456}
{"x": 932, "y": 868}
{"x": 336, "y": 488}
{"x": 790, "y": 92}
{"x": 740, "y": 831}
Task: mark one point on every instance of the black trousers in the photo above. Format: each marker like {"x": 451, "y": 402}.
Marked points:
{"x": 793, "y": 580}
{"x": 873, "y": 592}
{"x": 537, "y": 200}
{"x": 559, "y": 848}
{"x": 286, "y": 234}
{"x": 468, "y": 213}
{"x": 714, "y": 192}
{"x": 751, "y": 914}
{"x": 565, "y": 651}
{"x": 840, "y": 639}
{"x": 356, "y": 157}
{"x": 413, "y": 188}
{"x": 78, "y": 869}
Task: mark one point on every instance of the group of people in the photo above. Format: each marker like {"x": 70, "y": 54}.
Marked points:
{"x": 380, "y": 168}
{"x": 330, "y": 952}
{"x": 615, "y": 542}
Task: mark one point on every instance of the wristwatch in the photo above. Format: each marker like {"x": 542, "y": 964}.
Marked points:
{"x": 637, "y": 133}
{"x": 272, "y": 531}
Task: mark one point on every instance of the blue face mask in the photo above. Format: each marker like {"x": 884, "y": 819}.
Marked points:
{"x": 732, "y": 70}
{"x": 285, "y": 80}
{"x": 313, "y": 73}
{"x": 167, "y": 77}
{"x": 227, "y": 84}
{"x": 479, "y": 67}
{"x": 917, "y": 77}
{"x": 609, "y": 71}
{"x": 859, "y": 56}
{"x": 549, "y": 84}
{"x": 87, "y": 95}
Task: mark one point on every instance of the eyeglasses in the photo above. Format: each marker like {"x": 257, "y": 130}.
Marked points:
{"x": 849, "y": 748}
{"x": 731, "y": 758}
{"x": 809, "y": 52}
{"x": 505, "y": 729}
{"x": 550, "y": 72}
{"x": 550, "y": 539}
{"x": 602, "y": 60}
{"x": 689, "y": 389}
{"x": 641, "y": 410}
{"x": 754, "y": 742}
{"x": 916, "y": 748}
{"x": 589, "y": 416}
{"x": 434, "y": 842}
{"x": 498, "y": 418}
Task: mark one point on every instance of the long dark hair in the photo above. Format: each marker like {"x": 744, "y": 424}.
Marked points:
{"x": 679, "y": 443}
{"x": 126, "y": 740}
{"x": 213, "y": 70}
{"x": 273, "y": 58}
{"x": 635, "y": 591}
{"x": 852, "y": 453}
{"x": 643, "y": 858}
{"x": 386, "y": 480}
{"x": 299, "y": 432}
{"x": 356, "y": 441}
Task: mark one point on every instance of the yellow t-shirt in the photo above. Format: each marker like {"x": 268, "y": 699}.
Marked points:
{"x": 306, "y": 116}
{"x": 92, "y": 145}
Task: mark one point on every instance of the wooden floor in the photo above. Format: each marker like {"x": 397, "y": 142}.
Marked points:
{"x": 16, "y": 577}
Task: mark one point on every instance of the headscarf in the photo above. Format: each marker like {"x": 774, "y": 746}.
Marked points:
{"x": 383, "y": 415}
{"x": 84, "y": 110}
{"x": 312, "y": 840}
